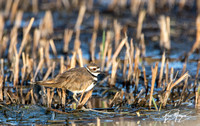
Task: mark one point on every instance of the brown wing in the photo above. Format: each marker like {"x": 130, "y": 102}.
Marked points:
{"x": 73, "y": 79}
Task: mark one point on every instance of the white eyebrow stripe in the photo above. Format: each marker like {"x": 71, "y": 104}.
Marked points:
{"x": 95, "y": 74}
{"x": 93, "y": 67}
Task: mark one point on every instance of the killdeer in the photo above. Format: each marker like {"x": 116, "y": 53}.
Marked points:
{"x": 76, "y": 80}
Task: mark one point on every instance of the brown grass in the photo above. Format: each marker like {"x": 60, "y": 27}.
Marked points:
{"x": 161, "y": 70}
{"x": 164, "y": 23}
{"x": 154, "y": 74}
{"x": 140, "y": 22}
{"x": 80, "y": 16}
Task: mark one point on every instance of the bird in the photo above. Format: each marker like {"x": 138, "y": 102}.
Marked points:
{"x": 76, "y": 80}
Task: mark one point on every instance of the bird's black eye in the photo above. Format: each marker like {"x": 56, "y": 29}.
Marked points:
{"x": 94, "y": 68}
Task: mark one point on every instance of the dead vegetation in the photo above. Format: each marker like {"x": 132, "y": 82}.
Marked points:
{"x": 35, "y": 56}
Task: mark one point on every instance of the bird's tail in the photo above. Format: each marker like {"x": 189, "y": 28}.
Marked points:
{"x": 46, "y": 83}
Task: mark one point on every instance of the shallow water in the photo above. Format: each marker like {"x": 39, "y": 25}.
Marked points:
{"x": 33, "y": 114}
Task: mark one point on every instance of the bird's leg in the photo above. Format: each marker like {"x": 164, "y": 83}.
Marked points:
{"x": 74, "y": 96}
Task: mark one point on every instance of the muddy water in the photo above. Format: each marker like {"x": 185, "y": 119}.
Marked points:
{"x": 33, "y": 114}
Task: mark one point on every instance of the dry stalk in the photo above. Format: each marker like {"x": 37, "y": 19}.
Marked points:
{"x": 113, "y": 4}
{"x": 142, "y": 45}
{"x": 47, "y": 73}
{"x": 14, "y": 10}
{"x": 81, "y": 98}
{"x": 13, "y": 42}
{"x": 117, "y": 94}
{"x": 8, "y": 7}
{"x": 109, "y": 55}
{"x": 167, "y": 71}
{"x": 184, "y": 68}
{"x": 1, "y": 26}
{"x": 94, "y": 36}
{"x": 93, "y": 46}
{"x": 197, "y": 42}
{"x": 117, "y": 29}
{"x": 3, "y": 45}
{"x": 22, "y": 99}
{"x": 38, "y": 68}
{"x": 2, "y": 67}
{"x": 183, "y": 91}
{"x": 29, "y": 63}
{"x": 6, "y": 99}
{"x": 198, "y": 6}
{"x": 23, "y": 70}
{"x": 117, "y": 52}
{"x": 36, "y": 39}
{"x": 73, "y": 60}
{"x": 132, "y": 50}
{"x": 168, "y": 26}
{"x": 18, "y": 19}
{"x": 53, "y": 47}
{"x": 107, "y": 43}
{"x": 41, "y": 62}
{"x": 66, "y": 3}
{"x": 164, "y": 24}
{"x": 171, "y": 85}
{"x": 130, "y": 72}
{"x": 62, "y": 66}
{"x": 122, "y": 4}
{"x": 24, "y": 40}
{"x": 162, "y": 3}
{"x": 128, "y": 53}
{"x": 197, "y": 100}
{"x": 135, "y": 4}
{"x": 140, "y": 22}
{"x": 35, "y": 6}
{"x": 46, "y": 52}
{"x": 183, "y": 77}
{"x": 77, "y": 42}
{"x": 87, "y": 96}
{"x": 136, "y": 63}
{"x": 53, "y": 69}
{"x": 16, "y": 67}
{"x": 151, "y": 7}
{"x": 145, "y": 78}
{"x": 154, "y": 74}
{"x": 59, "y": 91}
{"x": 137, "y": 79}
{"x": 1, "y": 86}
{"x": 161, "y": 70}
{"x": 59, "y": 4}
{"x": 104, "y": 23}
{"x": 67, "y": 38}
{"x": 63, "y": 97}
{"x": 80, "y": 17}
{"x": 49, "y": 97}
{"x": 46, "y": 26}
{"x": 171, "y": 74}
{"x": 98, "y": 122}
{"x": 125, "y": 66}
{"x": 96, "y": 21}
{"x": 182, "y": 4}
{"x": 198, "y": 68}
{"x": 80, "y": 56}
{"x": 113, "y": 74}
{"x": 13, "y": 97}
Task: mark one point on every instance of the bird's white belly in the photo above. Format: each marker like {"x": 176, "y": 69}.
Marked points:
{"x": 87, "y": 89}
